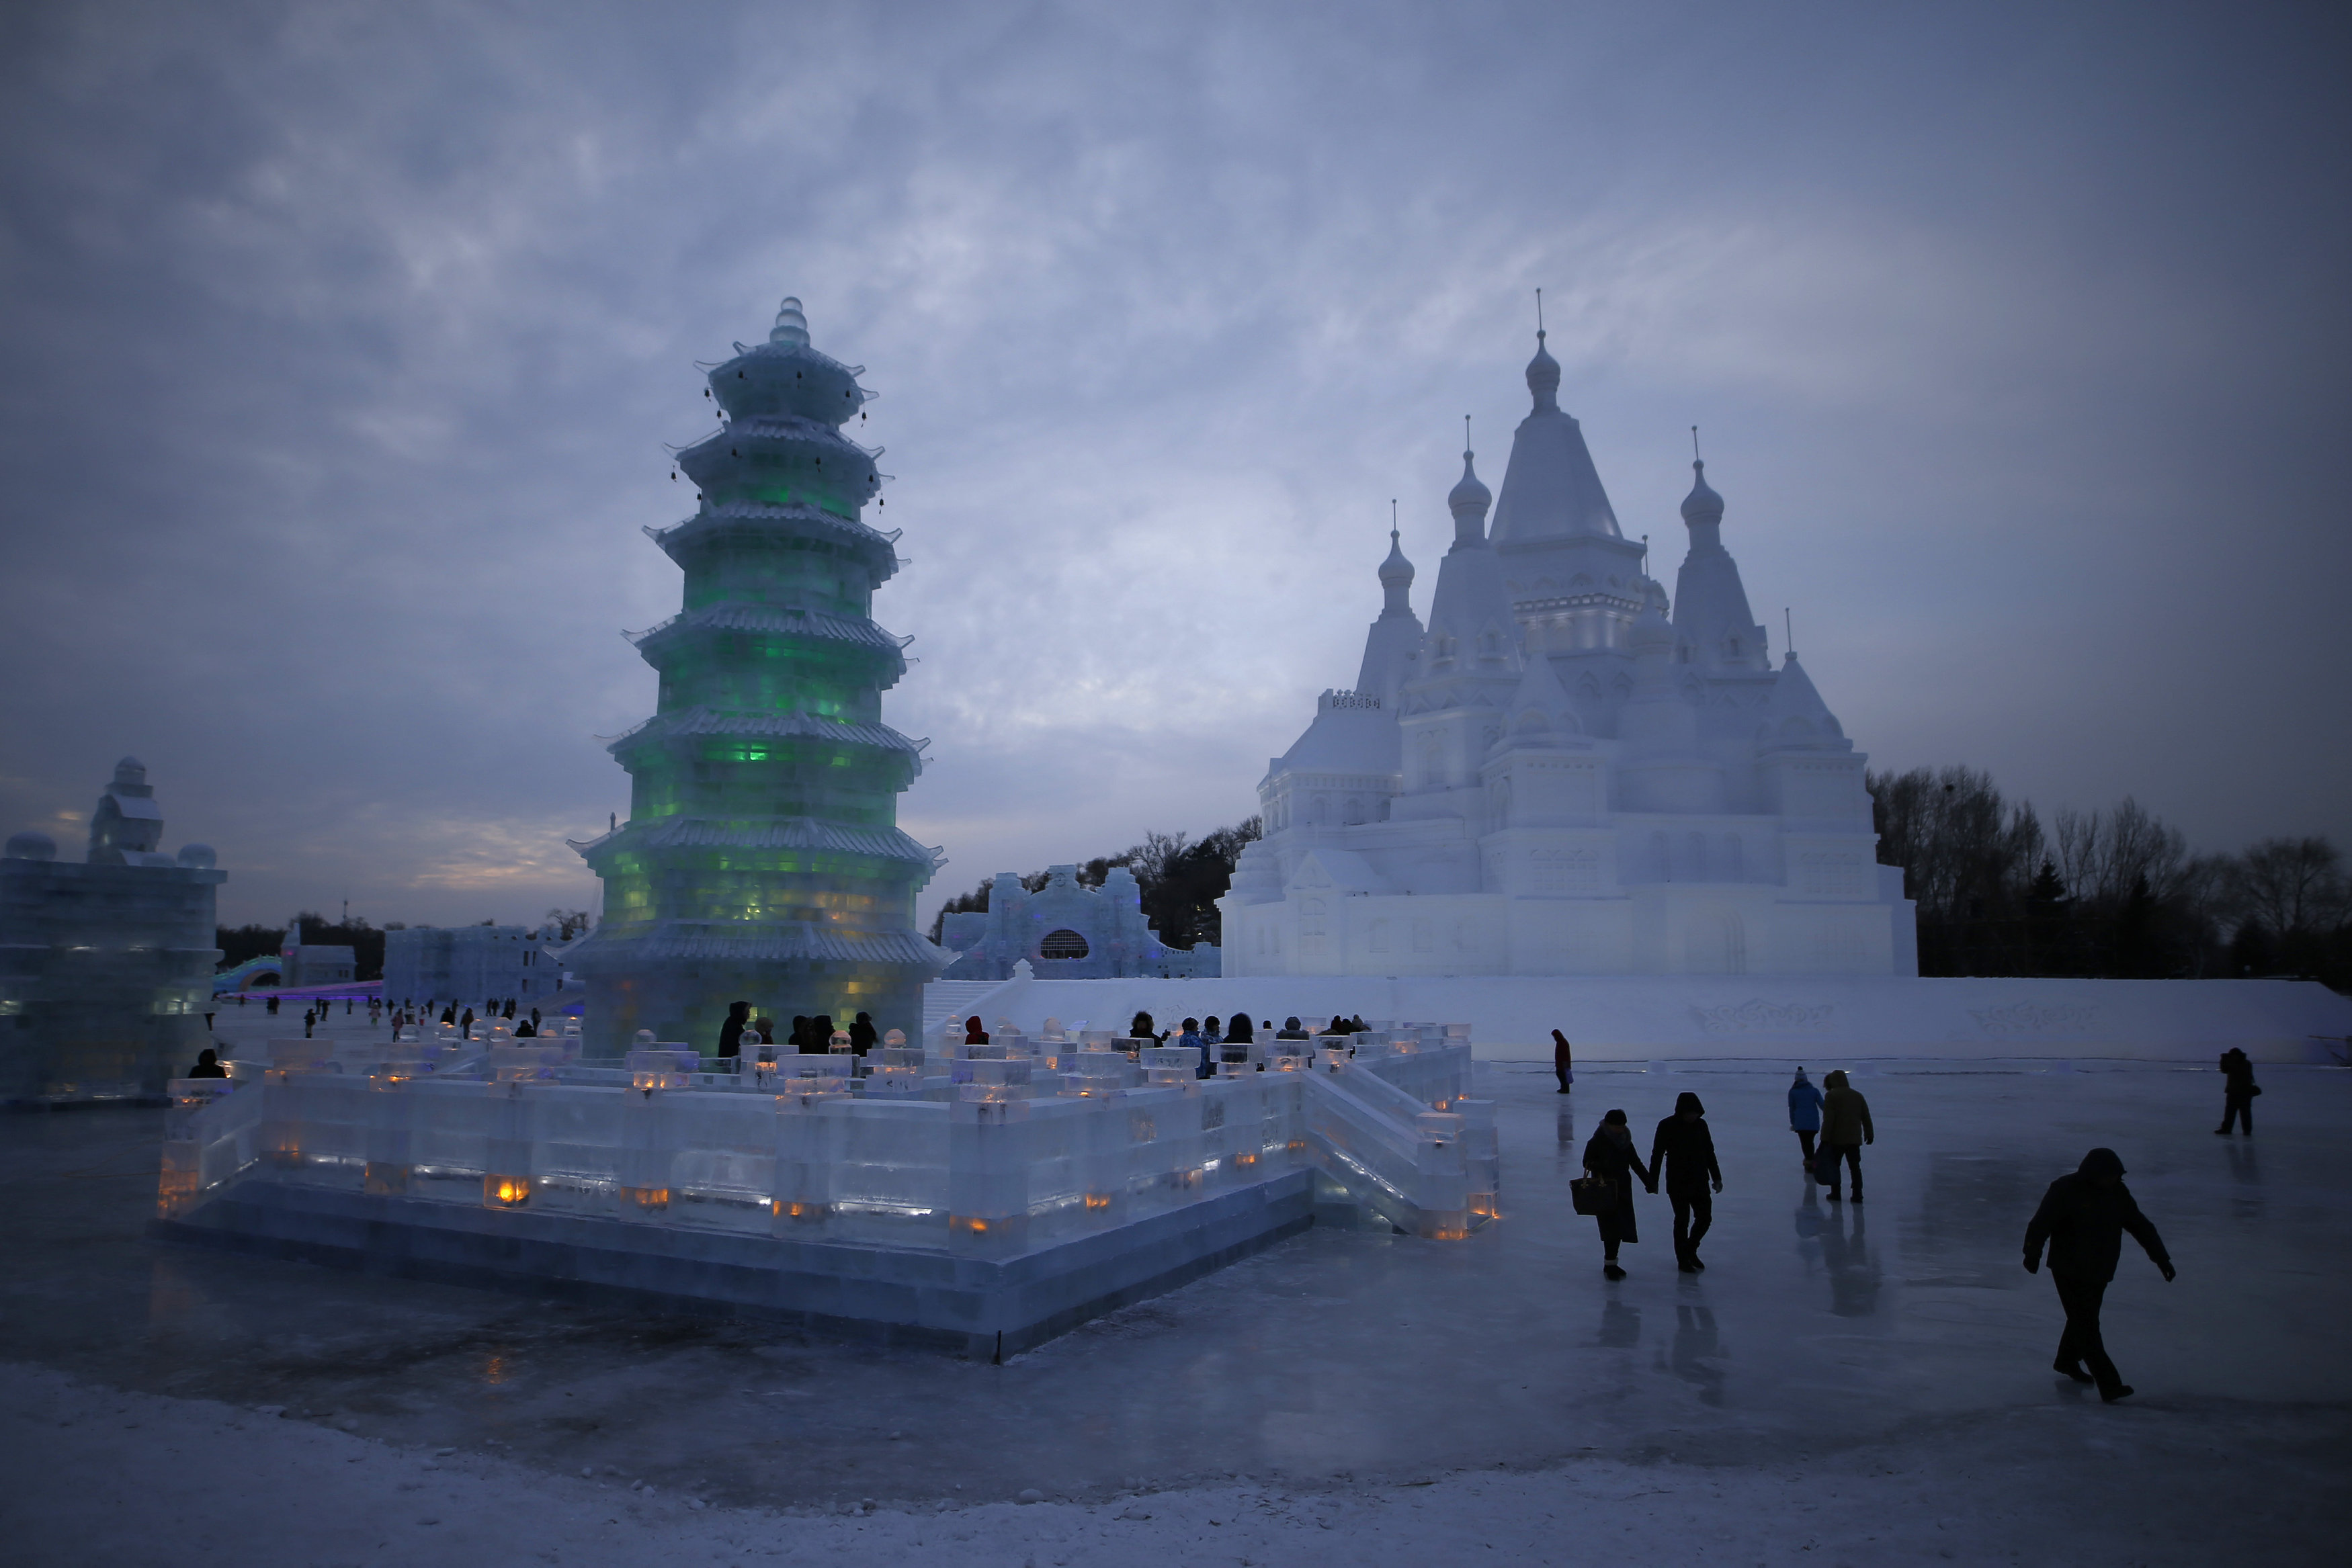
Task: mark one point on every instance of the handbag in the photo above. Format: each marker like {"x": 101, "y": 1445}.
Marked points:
{"x": 1825, "y": 1165}
{"x": 1592, "y": 1195}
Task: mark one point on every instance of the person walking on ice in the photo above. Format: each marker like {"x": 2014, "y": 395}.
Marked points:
{"x": 1682, "y": 1154}
{"x": 2082, "y": 1219}
{"x": 1846, "y": 1127}
{"x": 2238, "y": 1093}
{"x": 1804, "y": 1114}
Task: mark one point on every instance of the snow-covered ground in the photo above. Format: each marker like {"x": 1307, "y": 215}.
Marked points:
{"x": 1858, "y": 1387}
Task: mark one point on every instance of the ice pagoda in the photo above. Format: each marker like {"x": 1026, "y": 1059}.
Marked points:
{"x": 1558, "y": 776}
{"x": 761, "y": 859}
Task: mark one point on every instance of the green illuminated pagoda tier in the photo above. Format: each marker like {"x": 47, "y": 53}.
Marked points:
{"x": 762, "y": 861}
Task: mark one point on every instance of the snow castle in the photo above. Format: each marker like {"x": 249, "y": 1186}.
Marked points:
{"x": 1558, "y": 775}
{"x": 762, "y": 860}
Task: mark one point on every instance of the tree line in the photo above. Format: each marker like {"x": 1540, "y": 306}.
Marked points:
{"x": 2113, "y": 893}
{"x": 1180, "y": 878}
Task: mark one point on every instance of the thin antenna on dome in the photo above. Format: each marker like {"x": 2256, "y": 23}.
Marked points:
{"x": 1694, "y": 457}
{"x": 1539, "y": 326}
{"x": 1789, "y": 628}
{"x": 1645, "y": 555}
{"x": 1392, "y": 520}
{"x": 1466, "y": 435}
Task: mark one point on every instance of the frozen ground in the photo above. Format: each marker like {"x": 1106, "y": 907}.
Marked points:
{"x": 1865, "y": 1387}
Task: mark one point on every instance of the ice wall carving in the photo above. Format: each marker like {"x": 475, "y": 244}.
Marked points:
{"x": 1760, "y": 1017}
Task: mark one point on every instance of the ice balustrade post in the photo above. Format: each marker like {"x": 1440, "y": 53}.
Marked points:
{"x": 988, "y": 1176}
{"x": 648, "y": 1140}
{"x": 181, "y": 1182}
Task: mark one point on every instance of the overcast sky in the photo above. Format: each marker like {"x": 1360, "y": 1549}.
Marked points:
{"x": 338, "y": 344}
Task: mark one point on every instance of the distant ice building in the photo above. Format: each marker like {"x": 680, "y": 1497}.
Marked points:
{"x": 469, "y": 965}
{"x": 1558, "y": 776}
{"x": 105, "y": 966}
{"x": 1067, "y": 931}
{"x": 312, "y": 964}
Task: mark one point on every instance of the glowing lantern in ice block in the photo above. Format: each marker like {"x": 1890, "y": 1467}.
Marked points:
{"x": 505, "y": 1191}
{"x": 661, "y": 1066}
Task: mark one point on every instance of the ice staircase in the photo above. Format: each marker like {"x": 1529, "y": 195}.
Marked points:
{"x": 944, "y": 1000}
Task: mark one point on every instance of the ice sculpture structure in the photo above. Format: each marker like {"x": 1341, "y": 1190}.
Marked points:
{"x": 976, "y": 1197}
{"x": 761, "y": 859}
{"x": 104, "y": 966}
{"x": 1066, "y": 931}
{"x": 1555, "y": 777}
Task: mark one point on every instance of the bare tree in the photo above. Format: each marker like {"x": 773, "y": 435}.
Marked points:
{"x": 2290, "y": 887}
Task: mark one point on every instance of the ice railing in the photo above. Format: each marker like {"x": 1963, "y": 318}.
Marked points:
{"x": 987, "y": 1150}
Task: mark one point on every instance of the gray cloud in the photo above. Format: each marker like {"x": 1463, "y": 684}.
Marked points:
{"x": 340, "y": 341}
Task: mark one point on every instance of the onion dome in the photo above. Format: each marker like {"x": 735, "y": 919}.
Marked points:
{"x": 198, "y": 857}
{"x": 1543, "y": 376}
{"x": 1468, "y": 502}
{"x": 792, "y": 325}
{"x": 1702, "y": 506}
{"x": 1396, "y": 569}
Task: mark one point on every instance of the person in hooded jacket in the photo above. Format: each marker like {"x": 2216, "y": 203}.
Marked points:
{"x": 1683, "y": 1153}
{"x": 2238, "y": 1091}
{"x": 1290, "y": 1030}
{"x": 861, "y": 1034}
{"x": 973, "y": 1033}
{"x": 731, "y": 1033}
{"x": 2082, "y": 1219}
{"x": 1846, "y": 1127}
{"x": 1804, "y": 1114}
{"x": 207, "y": 1065}
{"x": 1610, "y": 1155}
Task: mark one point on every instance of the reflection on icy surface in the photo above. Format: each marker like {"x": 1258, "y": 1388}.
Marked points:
{"x": 1813, "y": 1322}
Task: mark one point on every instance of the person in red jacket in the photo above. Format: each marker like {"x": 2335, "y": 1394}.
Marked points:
{"x": 2082, "y": 1219}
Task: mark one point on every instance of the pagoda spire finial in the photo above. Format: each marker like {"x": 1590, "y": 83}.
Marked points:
{"x": 792, "y": 324}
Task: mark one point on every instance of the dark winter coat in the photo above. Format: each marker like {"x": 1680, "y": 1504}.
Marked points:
{"x": 1683, "y": 1153}
{"x": 2238, "y": 1074}
{"x": 2084, "y": 1221}
{"x": 1845, "y": 1115}
{"x": 1618, "y": 1163}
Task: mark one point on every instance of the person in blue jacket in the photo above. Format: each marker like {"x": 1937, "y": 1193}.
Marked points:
{"x": 1804, "y": 1114}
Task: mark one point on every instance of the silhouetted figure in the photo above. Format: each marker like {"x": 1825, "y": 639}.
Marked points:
{"x": 309, "y": 1019}
{"x": 1846, "y": 1127}
{"x": 1338, "y": 1027}
{"x": 1683, "y": 1153}
{"x": 207, "y": 1065}
{"x": 761, "y": 1031}
{"x": 1610, "y": 1155}
{"x": 1140, "y": 1028}
{"x": 1563, "y": 1060}
{"x": 973, "y": 1033}
{"x": 798, "y": 1039}
{"x": 731, "y": 1032}
{"x": 862, "y": 1035}
{"x": 465, "y": 1024}
{"x": 1290, "y": 1030}
{"x": 273, "y": 1007}
{"x": 821, "y": 1032}
{"x": 1805, "y": 1114}
{"x": 449, "y": 1014}
{"x": 2238, "y": 1091}
{"x": 2083, "y": 1217}
{"x": 525, "y": 1029}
